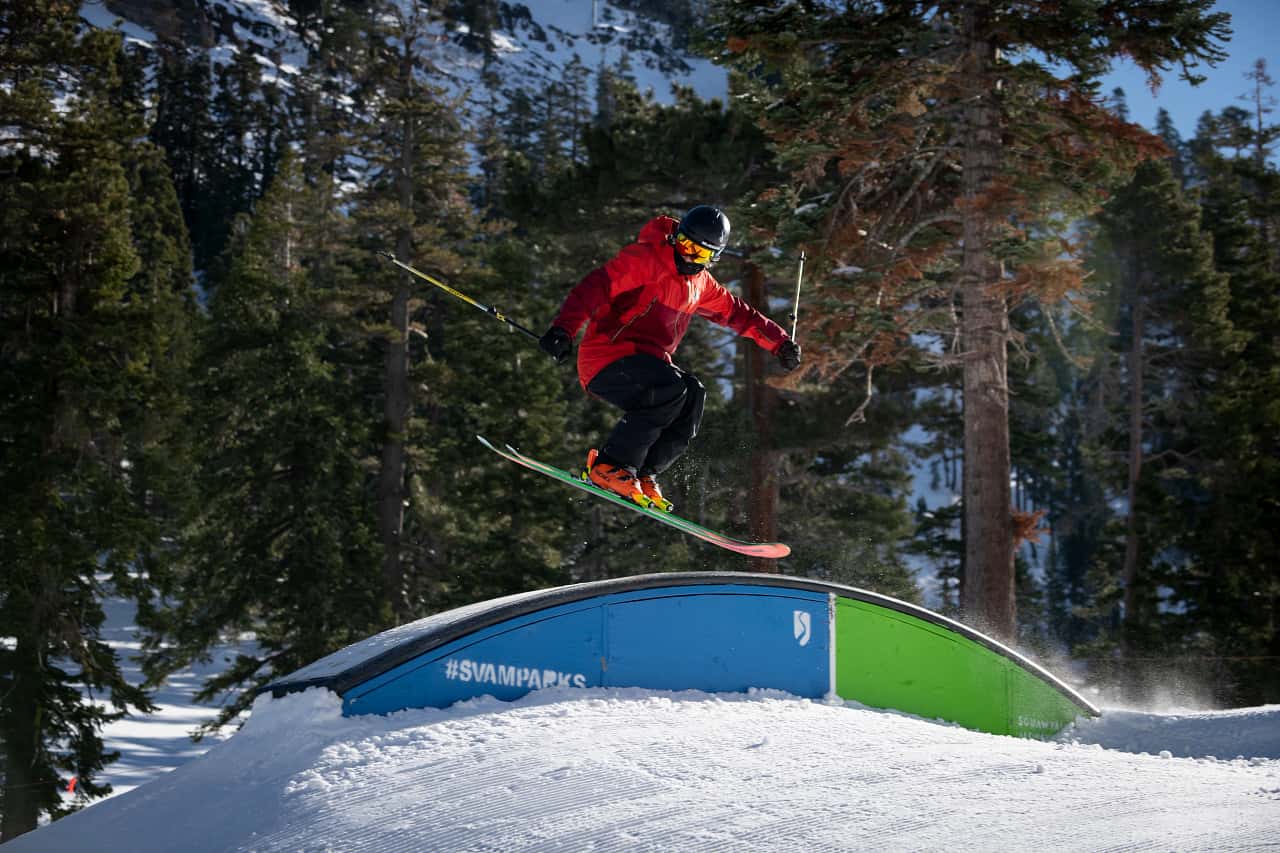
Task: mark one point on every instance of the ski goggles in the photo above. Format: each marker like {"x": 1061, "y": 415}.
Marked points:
{"x": 694, "y": 252}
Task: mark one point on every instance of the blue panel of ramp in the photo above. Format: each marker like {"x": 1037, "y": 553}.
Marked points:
{"x": 712, "y": 638}
{"x": 721, "y": 640}
{"x": 560, "y": 646}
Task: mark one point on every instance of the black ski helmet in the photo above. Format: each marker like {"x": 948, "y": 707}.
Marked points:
{"x": 707, "y": 226}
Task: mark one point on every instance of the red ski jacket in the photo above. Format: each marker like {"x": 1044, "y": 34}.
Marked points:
{"x": 639, "y": 303}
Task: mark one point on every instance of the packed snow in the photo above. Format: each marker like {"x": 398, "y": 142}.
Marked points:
{"x": 633, "y": 769}
{"x": 575, "y": 769}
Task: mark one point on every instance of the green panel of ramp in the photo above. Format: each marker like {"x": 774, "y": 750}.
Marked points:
{"x": 889, "y": 659}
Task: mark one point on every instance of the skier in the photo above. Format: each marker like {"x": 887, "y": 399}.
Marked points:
{"x": 637, "y": 308}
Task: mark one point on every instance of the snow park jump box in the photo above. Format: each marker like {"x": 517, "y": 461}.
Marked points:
{"x": 709, "y": 631}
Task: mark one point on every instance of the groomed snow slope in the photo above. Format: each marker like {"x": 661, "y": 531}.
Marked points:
{"x": 632, "y": 769}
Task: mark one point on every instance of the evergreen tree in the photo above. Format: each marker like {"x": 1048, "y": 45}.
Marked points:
{"x": 1173, "y": 141}
{"x": 1077, "y": 504}
{"x": 161, "y": 440}
{"x": 293, "y": 385}
{"x": 321, "y": 114}
{"x": 87, "y": 336}
{"x": 223, "y": 130}
{"x": 1262, "y": 104}
{"x": 577, "y": 106}
{"x": 1226, "y": 585}
{"x": 939, "y": 124}
{"x": 519, "y": 124}
{"x": 183, "y": 127}
{"x": 414, "y": 203}
{"x": 478, "y": 19}
{"x": 248, "y": 146}
{"x": 285, "y": 543}
{"x": 1171, "y": 325}
{"x": 1035, "y": 404}
{"x": 448, "y": 370}
{"x": 493, "y": 155}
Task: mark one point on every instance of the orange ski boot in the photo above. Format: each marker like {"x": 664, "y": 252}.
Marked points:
{"x": 614, "y": 479}
{"x": 653, "y": 492}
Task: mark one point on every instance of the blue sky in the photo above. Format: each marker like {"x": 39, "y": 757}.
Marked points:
{"x": 1256, "y": 26}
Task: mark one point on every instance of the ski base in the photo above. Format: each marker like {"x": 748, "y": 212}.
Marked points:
{"x": 769, "y": 550}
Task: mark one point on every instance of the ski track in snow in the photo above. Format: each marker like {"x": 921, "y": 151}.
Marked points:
{"x": 631, "y": 769}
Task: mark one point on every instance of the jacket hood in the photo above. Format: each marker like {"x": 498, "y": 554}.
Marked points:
{"x": 657, "y": 230}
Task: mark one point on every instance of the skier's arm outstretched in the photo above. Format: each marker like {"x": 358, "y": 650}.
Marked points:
{"x": 720, "y": 306}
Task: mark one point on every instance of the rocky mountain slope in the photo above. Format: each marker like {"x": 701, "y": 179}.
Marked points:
{"x": 522, "y": 46}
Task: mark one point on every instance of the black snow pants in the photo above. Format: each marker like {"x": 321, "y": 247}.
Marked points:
{"x": 662, "y": 407}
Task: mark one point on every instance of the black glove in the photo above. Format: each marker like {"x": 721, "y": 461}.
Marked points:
{"x": 556, "y": 343}
{"x": 789, "y": 355}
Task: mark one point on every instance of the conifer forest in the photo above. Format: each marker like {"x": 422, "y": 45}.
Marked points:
{"x": 1041, "y": 381}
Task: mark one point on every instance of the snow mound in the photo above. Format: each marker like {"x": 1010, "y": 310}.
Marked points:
{"x": 637, "y": 769}
{"x": 1237, "y": 734}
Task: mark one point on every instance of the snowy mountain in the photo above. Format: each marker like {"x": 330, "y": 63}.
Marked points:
{"x": 628, "y": 769}
{"x": 529, "y": 46}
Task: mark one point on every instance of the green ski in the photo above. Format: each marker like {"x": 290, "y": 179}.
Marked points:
{"x": 771, "y": 550}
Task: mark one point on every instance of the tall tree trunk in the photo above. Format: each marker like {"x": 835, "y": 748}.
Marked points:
{"x": 396, "y": 405}
{"x": 989, "y": 577}
{"x": 1129, "y": 574}
{"x": 1261, "y": 151}
{"x": 20, "y": 737}
{"x": 762, "y": 402}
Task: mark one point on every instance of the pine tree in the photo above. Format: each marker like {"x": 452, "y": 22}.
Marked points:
{"x": 1257, "y": 170}
{"x": 160, "y": 441}
{"x": 183, "y": 127}
{"x": 285, "y": 543}
{"x": 1171, "y": 324}
{"x": 449, "y": 372}
{"x": 1173, "y": 141}
{"x": 1035, "y": 404}
{"x": 414, "y": 204}
{"x": 1227, "y": 586}
{"x": 246, "y": 150}
{"x": 493, "y": 155}
{"x": 935, "y": 124}
{"x": 577, "y": 106}
{"x": 87, "y": 336}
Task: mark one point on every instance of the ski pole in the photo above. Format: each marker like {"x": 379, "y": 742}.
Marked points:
{"x": 795, "y": 311}
{"x": 467, "y": 299}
